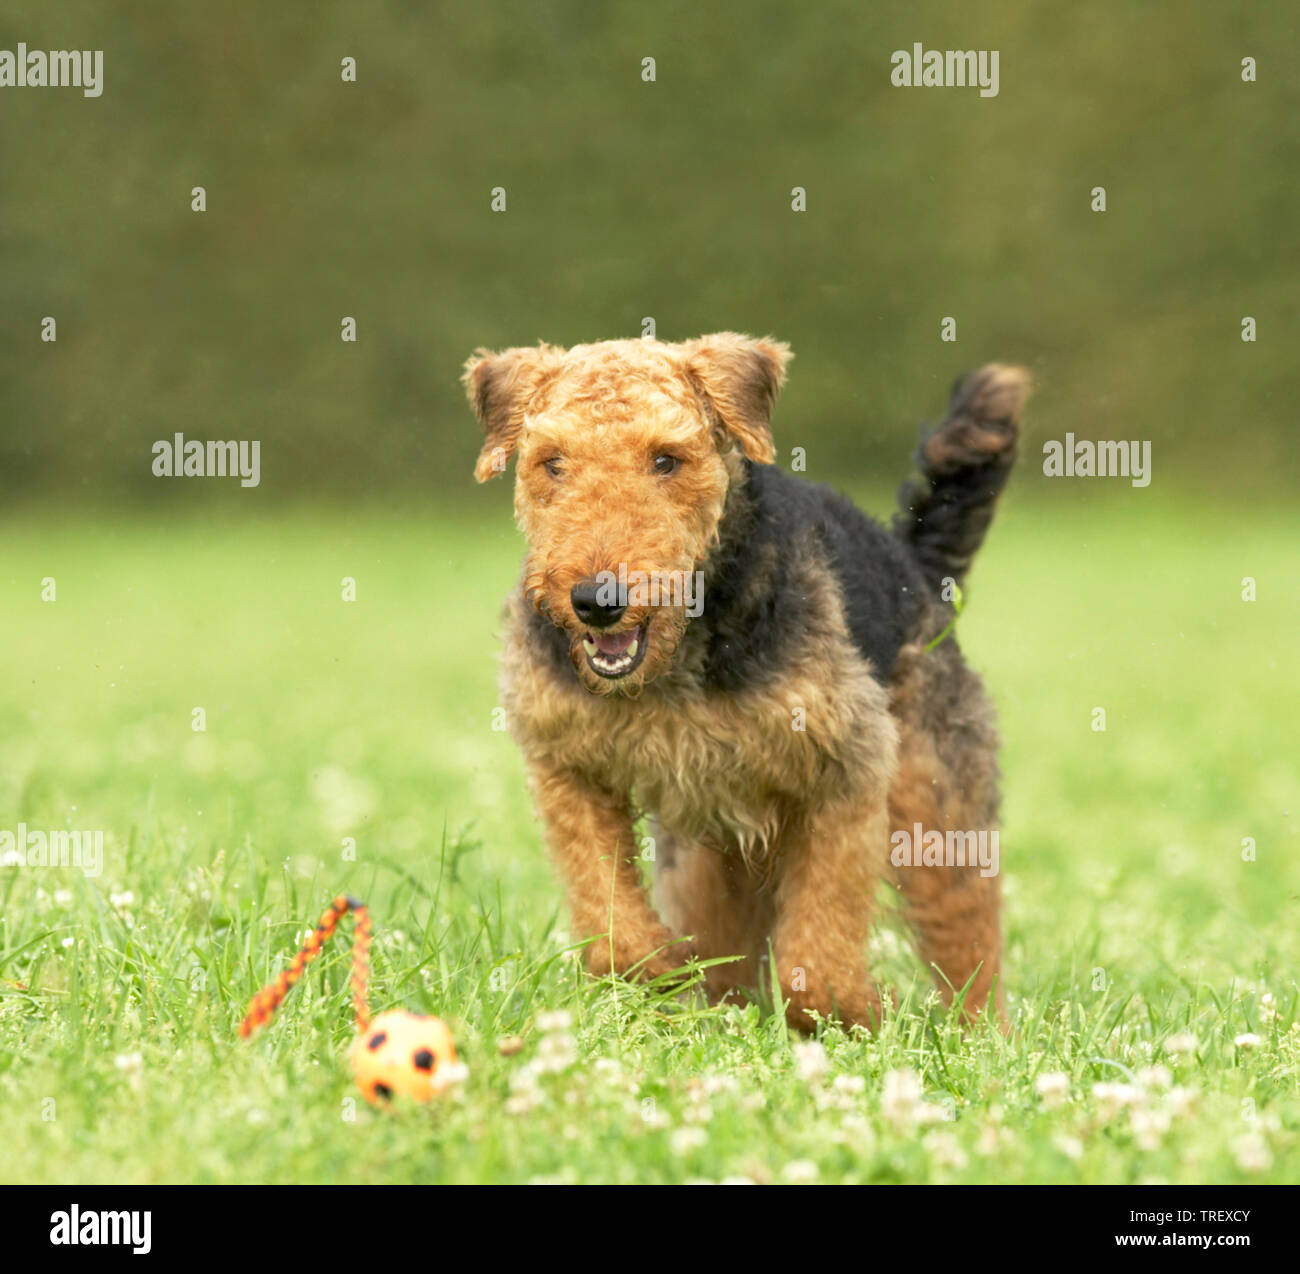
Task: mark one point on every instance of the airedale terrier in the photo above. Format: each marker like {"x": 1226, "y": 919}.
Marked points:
{"x": 768, "y": 692}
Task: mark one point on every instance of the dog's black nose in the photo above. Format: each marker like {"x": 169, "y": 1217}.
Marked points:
{"x": 589, "y": 609}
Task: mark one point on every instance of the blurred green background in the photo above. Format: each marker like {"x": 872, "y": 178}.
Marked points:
{"x": 628, "y": 199}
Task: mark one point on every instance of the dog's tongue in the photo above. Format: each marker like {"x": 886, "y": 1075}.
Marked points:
{"x": 613, "y": 643}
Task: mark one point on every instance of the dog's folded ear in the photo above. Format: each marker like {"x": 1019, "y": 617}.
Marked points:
{"x": 739, "y": 378}
{"x": 500, "y": 387}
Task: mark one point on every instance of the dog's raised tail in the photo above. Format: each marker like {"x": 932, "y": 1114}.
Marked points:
{"x": 964, "y": 464}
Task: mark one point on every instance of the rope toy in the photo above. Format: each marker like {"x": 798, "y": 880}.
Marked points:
{"x": 400, "y": 1052}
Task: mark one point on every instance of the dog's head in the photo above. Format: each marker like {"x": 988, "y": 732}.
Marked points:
{"x": 624, "y": 453}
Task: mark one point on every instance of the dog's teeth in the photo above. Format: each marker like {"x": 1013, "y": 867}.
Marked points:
{"x": 612, "y": 665}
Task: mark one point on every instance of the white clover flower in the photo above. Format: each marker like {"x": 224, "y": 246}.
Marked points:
{"x": 1070, "y": 1147}
{"x": 900, "y": 1094}
{"x": 684, "y": 1140}
{"x": 1183, "y": 1042}
{"x": 901, "y": 1101}
{"x": 800, "y": 1172}
{"x": 556, "y": 1053}
{"x": 942, "y": 1147}
{"x": 931, "y": 1112}
{"x": 993, "y": 1140}
{"x": 1155, "y": 1078}
{"x": 452, "y": 1074}
{"x": 1112, "y": 1098}
{"x": 857, "y": 1128}
{"x": 1052, "y": 1089}
{"x": 712, "y": 1084}
{"x": 842, "y": 1095}
{"x": 811, "y": 1062}
{"x": 1248, "y": 1040}
{"x": 1252, "y": 1153}
{"x": 1149, "y": 1127}
{"x": 128, "y": 1062}
{"x": 525, "y": 1077}
{"x": 555, "y": 1021}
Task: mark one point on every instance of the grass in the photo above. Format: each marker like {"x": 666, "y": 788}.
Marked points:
{"x": 1141, "y": 947}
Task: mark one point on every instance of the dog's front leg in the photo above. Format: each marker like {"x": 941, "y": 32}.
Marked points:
{"x": 590, "y": 835}
{"x": 831, "y": 862}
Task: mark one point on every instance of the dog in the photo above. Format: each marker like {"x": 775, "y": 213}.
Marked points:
{"x": 751, "y": 663}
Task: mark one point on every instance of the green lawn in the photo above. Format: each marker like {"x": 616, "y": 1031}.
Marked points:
{"x": 1141, "y": 947}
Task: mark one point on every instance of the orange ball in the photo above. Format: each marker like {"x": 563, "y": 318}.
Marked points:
{"x": 405, "y": 1054}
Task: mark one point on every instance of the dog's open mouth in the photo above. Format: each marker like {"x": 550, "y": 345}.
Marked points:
{"x": 615, "y": 654}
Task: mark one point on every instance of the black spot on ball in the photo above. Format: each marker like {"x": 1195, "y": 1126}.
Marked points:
{"x": 424, "y": 1060}
{"x": 382, "y": 1090}
{"x": 377, "y": 1040}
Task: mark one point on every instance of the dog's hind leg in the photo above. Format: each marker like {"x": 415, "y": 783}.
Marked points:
{"x": 947, "y": 783}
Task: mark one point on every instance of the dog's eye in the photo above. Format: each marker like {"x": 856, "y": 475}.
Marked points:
{"x": 666, "y": 464}
{"x": 553, "y": 466}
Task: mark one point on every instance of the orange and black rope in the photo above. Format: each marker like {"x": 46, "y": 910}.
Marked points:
{"x": 269, "y": 998}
